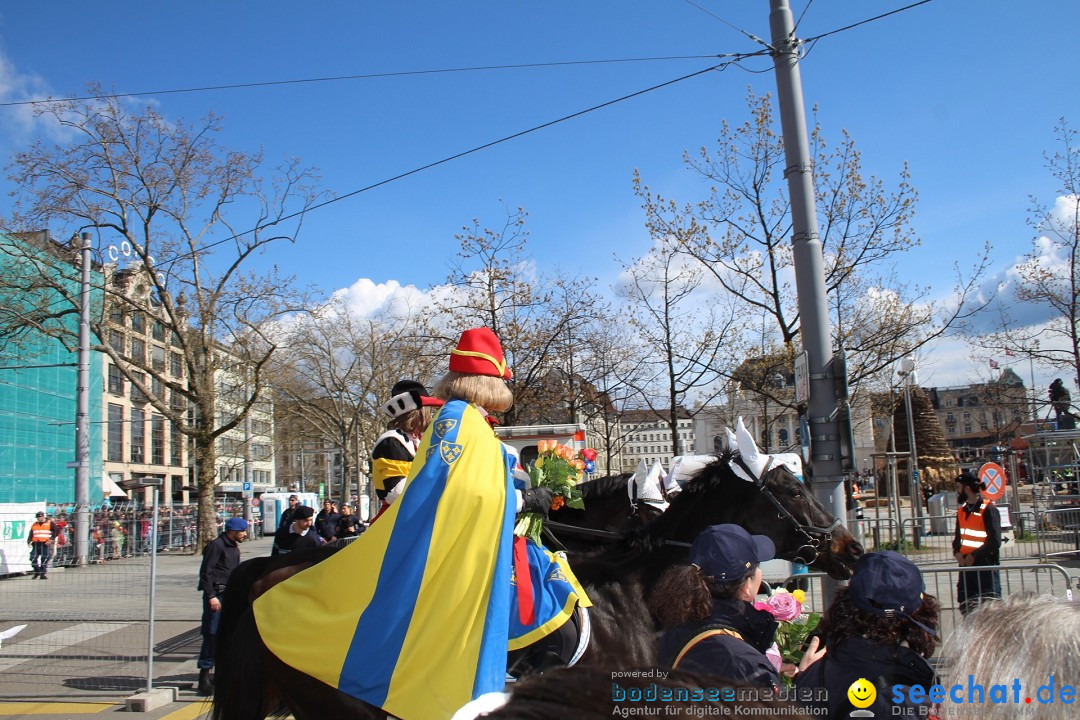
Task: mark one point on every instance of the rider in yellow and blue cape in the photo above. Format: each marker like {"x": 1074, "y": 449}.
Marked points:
{"x": 418, "y": 623}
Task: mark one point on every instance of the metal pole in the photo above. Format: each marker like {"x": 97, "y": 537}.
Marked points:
{"x": 809, "y": 271}
{"x": 153, "y": 593}
{"x": 1031, "y": 369}
{"x": 247, "y": 494}
{"x": 913, "y": 475}
{"x": 82, "y": 415}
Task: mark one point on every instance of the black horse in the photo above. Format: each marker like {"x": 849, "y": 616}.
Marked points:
{"x": 609, "y": 509}
{"x": 252, "y": 683}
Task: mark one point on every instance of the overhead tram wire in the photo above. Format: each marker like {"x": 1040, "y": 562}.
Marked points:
{"x": 365, "y": 76}
{"x": 750, "y": 35}
{"x": 815, "y": 38}
{"x": 733, "y": 58}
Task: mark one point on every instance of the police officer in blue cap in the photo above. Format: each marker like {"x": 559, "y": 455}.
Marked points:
{"x": 220, "y": 557}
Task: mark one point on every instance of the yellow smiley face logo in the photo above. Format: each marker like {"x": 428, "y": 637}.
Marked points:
{"x": 861, "y": 693}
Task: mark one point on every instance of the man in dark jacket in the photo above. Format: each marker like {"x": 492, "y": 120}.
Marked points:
{"x": 976, "y": 542}
{"x": 284, "y": 522}
{"x": 348, "y": 524}
{"x": 300, "y": 533}
{"x": 326, "y": 521}
{"x": 220, "y": 557}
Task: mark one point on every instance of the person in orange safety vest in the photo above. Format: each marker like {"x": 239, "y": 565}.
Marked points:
{"x": 976, "y": 542}
{"x": 40, "y": 539}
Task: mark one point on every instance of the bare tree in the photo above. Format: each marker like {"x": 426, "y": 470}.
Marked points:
{"x": 536, "y": 317}
{"x": 1048, "y": 278}
{"x": 683, "y": 336}
{"x": 194, "y": 215}
{"x": 336, "y": 372}
{"x": 741, "y": 232}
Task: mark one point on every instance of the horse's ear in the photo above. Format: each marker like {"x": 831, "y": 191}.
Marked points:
{"x": 748, "y": 449}
{"x": 732, "y": 441}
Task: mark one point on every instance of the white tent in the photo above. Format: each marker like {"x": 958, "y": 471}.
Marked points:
{"x": 109, "y": 488}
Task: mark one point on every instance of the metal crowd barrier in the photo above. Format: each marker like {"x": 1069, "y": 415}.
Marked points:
{"x": 1059, "y": 532}
{"x": 122, "y": 530}
{"x": 941, "y": 582}
{"x": 928, "y": 540}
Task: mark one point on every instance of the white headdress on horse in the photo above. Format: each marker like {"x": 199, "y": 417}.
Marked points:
{"x": 756, "y": 461}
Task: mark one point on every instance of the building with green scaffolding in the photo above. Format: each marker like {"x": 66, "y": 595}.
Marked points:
{"x": 38, "y": 381}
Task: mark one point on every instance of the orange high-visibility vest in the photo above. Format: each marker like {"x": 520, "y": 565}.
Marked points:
{"x": 972, "y": 528}
{"x": 41, "y": 532}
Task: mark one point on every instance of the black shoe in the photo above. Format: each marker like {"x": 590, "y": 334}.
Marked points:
{"x": 206, "y": 683}
{"x": 44, "y": 576}
{"x": 36, "y": 575}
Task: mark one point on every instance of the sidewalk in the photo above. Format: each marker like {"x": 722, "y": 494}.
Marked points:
{"x": 177, "y": 611}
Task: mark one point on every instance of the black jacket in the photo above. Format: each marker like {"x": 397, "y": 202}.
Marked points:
{"x": 348, "y": 526}
{"x": 326, "y": 524}
{"x": 291, "y": 541}
{"x": 854, "y": 658}
{"x": 220, "y": 557}
{"x": 726, "y": 656}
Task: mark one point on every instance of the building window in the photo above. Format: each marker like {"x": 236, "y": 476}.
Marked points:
{"x": 116, "y": 381}
{"x": 138, "y": 323}
{"x": 950, "y": 418}
{"x": 176, "y": 365}
{"x": 116, "y": 341}
{"x": 116, "y": 433}
{"x": 176, "y": 446}
{"x": 157, "y": 440}
{"x": 967, "y": 427}
{"x": 159, "y": 330}
{"x": 137, "y": 395}
{"x": 952, "y": 429}
{"x": 138, "y": 436}
{"x": 157, "y": 358}
{"x": 116, "y": 315}
{"x": 138, "y": 351}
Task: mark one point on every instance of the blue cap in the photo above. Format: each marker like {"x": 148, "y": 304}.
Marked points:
{"x": 887, "y": 584}
{"x": 728, "y": 553}
{"x": 235, "y": 523}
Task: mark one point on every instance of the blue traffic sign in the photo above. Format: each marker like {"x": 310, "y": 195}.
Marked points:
{"x": 247, "y": 487}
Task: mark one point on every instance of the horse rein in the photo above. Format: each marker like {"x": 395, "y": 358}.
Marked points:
{"x": 814, "y": 537}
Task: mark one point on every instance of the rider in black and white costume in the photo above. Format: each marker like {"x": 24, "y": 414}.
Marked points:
{"x": 410, "y": 409}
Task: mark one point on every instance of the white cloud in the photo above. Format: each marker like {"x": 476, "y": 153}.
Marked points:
{"x": 20, "y": 121}
{"x": 365, "y": 297}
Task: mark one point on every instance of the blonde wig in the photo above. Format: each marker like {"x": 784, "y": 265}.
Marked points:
{"x": 490, "y": 393}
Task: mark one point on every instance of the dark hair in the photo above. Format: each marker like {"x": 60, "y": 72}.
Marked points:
{"x": 844, "y": 620}
{"x": 684, "y": 593}
{"x": 585, "y": 693}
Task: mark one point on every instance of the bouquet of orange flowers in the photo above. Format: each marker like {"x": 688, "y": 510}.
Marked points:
{"x": 558, "y": 469}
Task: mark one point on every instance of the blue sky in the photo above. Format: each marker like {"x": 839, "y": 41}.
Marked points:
{"x": 967, "y": 93}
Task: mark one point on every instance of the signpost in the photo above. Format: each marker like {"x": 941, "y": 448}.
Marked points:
{"x": 994, "y": 476}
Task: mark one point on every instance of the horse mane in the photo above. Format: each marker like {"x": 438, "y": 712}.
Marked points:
{"x": 711, "y": 478}
{"x": 651, "y": 541}
{"x": 602, "y": 487}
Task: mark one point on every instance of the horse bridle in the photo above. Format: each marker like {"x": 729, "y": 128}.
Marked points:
{"x": 816, "y": 539}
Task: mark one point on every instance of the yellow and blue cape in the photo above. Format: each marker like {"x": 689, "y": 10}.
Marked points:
{"x": 556, "y": 591}
{"x": 413, "y": 616}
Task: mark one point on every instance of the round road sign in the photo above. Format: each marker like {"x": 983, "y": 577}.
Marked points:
{"x": 254, "y": 502}
{"x": 994, "y": 476}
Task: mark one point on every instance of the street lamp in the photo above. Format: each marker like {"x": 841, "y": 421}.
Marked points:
{"x": 908, "y": 375}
